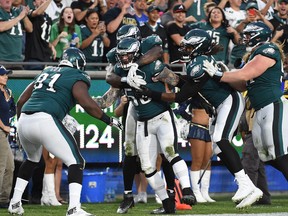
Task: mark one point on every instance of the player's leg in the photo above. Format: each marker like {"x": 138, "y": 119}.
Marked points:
{"x": 26, "y": 128}
{"x": 228, "y": 117}
{"x": 167, "y": 136}
{"x": 61, "y": 143}
{"x": 130, "y": 160}
{"x": 147, "y": 146}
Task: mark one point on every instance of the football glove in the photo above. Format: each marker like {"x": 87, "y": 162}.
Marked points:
{"x": 212, "y": 70}
{"x": 111, "y": 121}
{"x": 134, "y": 80}
{"x": 116, "y": 123}
{"x": 183, "y": 127}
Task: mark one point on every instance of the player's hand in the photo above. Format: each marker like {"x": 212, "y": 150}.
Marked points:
{"x": 222, "y": 66}
{"x": 133, "y": 79}
{"x": 133, "y": 69}
{"x": 116, "y": 123}
{"x": 212, "y": 70}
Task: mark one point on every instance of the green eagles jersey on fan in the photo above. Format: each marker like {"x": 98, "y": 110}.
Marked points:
{"x": 266, "y": 88}
{"x": 145, "y": 107}
{"x": 219, "y": 36}
{"x": 146, "y": 44}
{"x": 11, "y": 39}
{"x": 215, "y": 92}
{"x": 55, "y": 85}
{"x": 95, "y": 50}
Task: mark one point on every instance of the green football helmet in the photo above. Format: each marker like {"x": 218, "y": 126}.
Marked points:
{"x": 195, "y": 42}
{"x": 255, "y": 33}
{"x": 73, "y": 57}
{"x": 128, "y": 31}
{"x": 127, "y": 52}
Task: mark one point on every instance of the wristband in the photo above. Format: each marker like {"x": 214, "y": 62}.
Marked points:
{"x": 106, "y": 119}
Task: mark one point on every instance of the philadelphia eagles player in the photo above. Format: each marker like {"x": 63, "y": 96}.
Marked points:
{"x": 229, "y": 105}
{"x": 262, "y": 78}
{"x": 155, "y": 126}
{"x": 41, "y": 108}
{"x": 150, "y": 51}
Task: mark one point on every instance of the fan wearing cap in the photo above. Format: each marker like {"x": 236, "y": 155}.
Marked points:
{"x": 152, "y": 26}
{"x": 176, "y": 30}
{"x": 168, "y": 15}
{"x": 7, "y": 110}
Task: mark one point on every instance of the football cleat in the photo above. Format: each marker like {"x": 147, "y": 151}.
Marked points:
{"x": 128, "y": 202}
{"x": 250, "y": 199}
{"x": 188, "y": 196}
{"x": 245, "y": 187}
{"x": 16, "y": 208}
{"x": 78, "y": 211}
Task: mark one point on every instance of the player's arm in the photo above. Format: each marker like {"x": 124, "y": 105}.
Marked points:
{"x": 81, "y": 94}
{"x": 171, "y": 78}
{"x": 23, "y": 98}
{"x": 108, "y": 98}
{"x": 152, "y": 55}
{"x": 120, "y": 82}
{"x": 189, "y": 89}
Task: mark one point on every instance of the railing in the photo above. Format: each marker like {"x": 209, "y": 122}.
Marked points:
{"x": 100, "y": 74}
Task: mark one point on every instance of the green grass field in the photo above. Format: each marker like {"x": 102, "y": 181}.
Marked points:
{"x": 224, "y": 205}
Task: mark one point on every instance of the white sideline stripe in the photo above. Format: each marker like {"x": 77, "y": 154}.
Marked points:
{"x": 253, "y": 214}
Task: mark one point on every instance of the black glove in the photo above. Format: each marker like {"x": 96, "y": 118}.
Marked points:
{"x": 148, "y": 93}
{"x": 210, "y": 110}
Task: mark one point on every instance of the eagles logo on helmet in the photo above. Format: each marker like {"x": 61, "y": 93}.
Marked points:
{"x": 128, "y": 31}
{"x": 255, "y": 33}
{"x": 194, "y": 43}
{"x": 73, "y": 57}
{"x": 127, "y": 52}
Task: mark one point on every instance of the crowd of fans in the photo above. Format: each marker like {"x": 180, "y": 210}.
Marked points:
{"x": 39, "y": 31}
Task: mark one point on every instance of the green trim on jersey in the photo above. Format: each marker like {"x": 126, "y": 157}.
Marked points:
{"x": 146, "y": 108}
{"x": 52, "y": 91}
{"x": 71, "y": 142}
{"x": 266, "y": 88}
{"x": 215, "y": 92}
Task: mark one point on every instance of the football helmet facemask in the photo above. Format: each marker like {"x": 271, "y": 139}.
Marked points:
{"x": 128, "y": 31}
{"x": 255, "y": 33}
{"x": 73, "y": 57}
{"x": 127, "y": 52}
{"x": 196, "y": 42}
